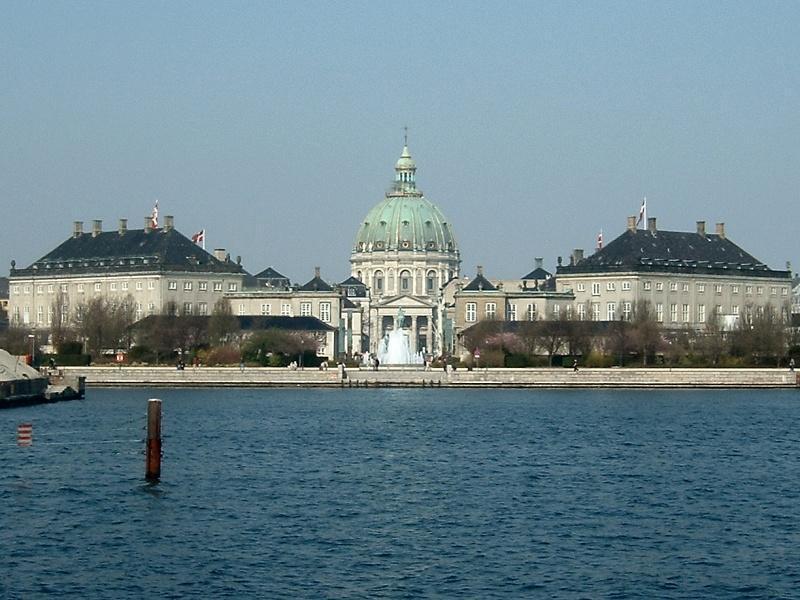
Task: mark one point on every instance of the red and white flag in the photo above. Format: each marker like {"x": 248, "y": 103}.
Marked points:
{"x": 154, "y": 216}
{"x": 642, "y": 212}
{"x": 200, "y": 238}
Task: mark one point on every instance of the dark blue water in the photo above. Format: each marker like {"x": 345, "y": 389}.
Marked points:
{"x": 406, "y": 494}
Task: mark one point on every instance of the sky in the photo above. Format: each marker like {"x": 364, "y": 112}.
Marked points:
{"x": 275, "y": 126}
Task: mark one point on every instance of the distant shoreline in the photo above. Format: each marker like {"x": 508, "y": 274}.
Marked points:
{"x": 111, "y": 376}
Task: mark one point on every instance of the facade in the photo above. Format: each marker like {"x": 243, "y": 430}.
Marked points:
{"x": 525, "y": 299}
{"x": 404, "y": 253}
{"x": 685, "y": 278}
{"x": 156, "y": 271}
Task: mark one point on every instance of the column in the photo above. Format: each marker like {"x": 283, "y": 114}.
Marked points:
{"x": 413, "y": 340}
{"x": 429, "y": 336}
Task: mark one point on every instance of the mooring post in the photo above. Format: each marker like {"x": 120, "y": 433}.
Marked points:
{"x": 153, "y": 463}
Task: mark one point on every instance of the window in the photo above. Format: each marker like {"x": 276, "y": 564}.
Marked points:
{"x": 735, "y": 309}
{"x": 430, "y": 281}
{"x": 673, "y": 313}
{"x": 26, "y": 289}
{"x": 530, "y": 312}
{"x": 405, "y": 281}
{"x": 232, "y": 287}
{"x": 472, "y": 311}
{"x": 595, "y": 311}
{"x": 626, "y": 311}
{"x": 26, "y": 314}
{"x": 202, "y": 308}
{"x": 80, "y": 288}
{"x": 40, "y": 314}
{"x": 556, "y": 310}
{"x": 187, "y": 308}
{"x": 124, "y": 286}
{"x": 286, "y": 310}
{"x": 685, "y": 287}
{"x": 581, "y": 312}
{"x": 217, "y": 286}
{"x": 701, "y": 313}
{"x": 202, "y": 286}
{"x": 647, "y": 285}
{"x": 305, "y": 309}
{"x": 773, "y": 291}
{"x": 241, "y": 308}
{"x": 15, "y": 289}
{"x": 325, "y": 312}
{"x": 718, "y": 310}
{"x": 759, "y": 290}
{"x": 172, "y": 285}
{"x": 718, "y": 288}
{"x": 734, "y": 289}
{"x": 673, "y": 286}
{"x": 98, "y": 287}
{"x": 139, "y": 286}
{"x": 611, "y": 311}
{"x": 151, "y": 285}
{"x": 266, "y": 309}
{"x": 595, "y": 289}
{"x": 659, "y": 312}
{"x": 701, "y": 288}
{"x": 187, "y": 286}
{"x": 581, "y": 287}
{"x": 50, "y": 288}
{"x": 112, "y": 286}
{"x": 685, "y": 313}
{"x": 138, "y": 310}
{"x": 659, "y": 286}
{"x": 610, "y": 286}
{"x": 511, "y": 312}
{"x": 379, "y": 281}
{"x": 784, "y": 291}
{"x": 40, "y": 289}
{"x": 151, "y": 308}
{"x": 626, "y": 286}
{"x": 491, "y": 310}
{"x": 748, "y": 289}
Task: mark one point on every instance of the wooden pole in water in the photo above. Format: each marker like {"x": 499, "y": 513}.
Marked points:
{"x": 153, "y": 462}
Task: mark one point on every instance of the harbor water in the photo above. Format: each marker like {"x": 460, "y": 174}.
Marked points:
{"x": 405, "y": 493}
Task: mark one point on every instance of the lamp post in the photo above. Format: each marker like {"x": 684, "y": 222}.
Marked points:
{"x": 32, "y": 338}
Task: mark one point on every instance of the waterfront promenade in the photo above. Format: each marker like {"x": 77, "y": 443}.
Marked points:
{"x": 114, "y": 376}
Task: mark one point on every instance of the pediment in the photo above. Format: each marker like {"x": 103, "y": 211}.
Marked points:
{"x": 405, "y": 302}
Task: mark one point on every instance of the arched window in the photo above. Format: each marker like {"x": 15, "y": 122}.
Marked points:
{"x": 430, "y": 281}
{"x": 378, "y": 278}
{"x": 405, "y": 281}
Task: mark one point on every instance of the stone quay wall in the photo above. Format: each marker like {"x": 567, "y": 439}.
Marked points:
{"x": 125, "y": 376}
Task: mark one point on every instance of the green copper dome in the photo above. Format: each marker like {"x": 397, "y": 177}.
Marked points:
{"x": 405, "y": 220}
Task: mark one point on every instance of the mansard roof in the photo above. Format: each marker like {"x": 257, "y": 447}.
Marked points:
{"x": 538, "y": 273}
{"x": 132, "y": 250}
{"x": 354, "y": 281}
{"x": 672, "y": 251}
{"x": 316, "y": 285}
{"x": 480, "y": 283}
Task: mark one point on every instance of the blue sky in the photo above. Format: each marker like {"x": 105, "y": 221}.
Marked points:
{"x": 275, "y": 126}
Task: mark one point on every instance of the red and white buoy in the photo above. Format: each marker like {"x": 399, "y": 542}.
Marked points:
{"x": 24, "y": 434}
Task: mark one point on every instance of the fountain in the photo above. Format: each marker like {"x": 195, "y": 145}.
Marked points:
{"x": 395, "y": 348}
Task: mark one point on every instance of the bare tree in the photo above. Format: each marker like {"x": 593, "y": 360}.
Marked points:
{"x": 222, "y": 325}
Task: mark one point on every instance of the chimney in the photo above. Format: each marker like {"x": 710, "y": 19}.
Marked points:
{"x": 219, "y": 254}
{"x": 97, "y": 227}
{"x": 148, "y": 224}
{"x": 538, "y": 262}
{"x": 701, "y": 228}
{"x": 721, "y": 230}
{"x": 123, "y": 226}
{"x": 578, "y": 255}
{"x": 632, "y": 223}
{"x": 651, "y": 224}
{"x": 789, "y": 266}
{"x": 77, "y": 230}
{"x": 169, "y": 221}
{"x": 316, "y": 271}
{"x": 480, "y": 270}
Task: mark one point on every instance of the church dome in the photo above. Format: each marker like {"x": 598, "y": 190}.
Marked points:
{"x": 405, "y": 220}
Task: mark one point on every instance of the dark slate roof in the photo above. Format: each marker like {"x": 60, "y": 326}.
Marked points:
{"x": 316, "y": 285}
{"x": 672, "y": 251}
{"x": 479, "y": 283}
{"x": 270, "y": 273}
{"x": 354, "y": 288}
{"x": 135, "y": 250}
{"x": 348, "y": 303}
{"x": 3, "y": 287}
{"x": 352, "y": 280}
{"x": 538, "y": 273}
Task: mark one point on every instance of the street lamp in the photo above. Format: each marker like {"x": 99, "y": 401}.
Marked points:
{"x": 32, "y": 338}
